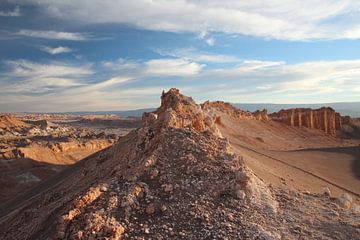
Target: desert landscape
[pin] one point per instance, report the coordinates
(34, 147)
(205, 171)
(179, 119)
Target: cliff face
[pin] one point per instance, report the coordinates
(325, 118)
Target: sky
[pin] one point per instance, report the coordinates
(102, 55)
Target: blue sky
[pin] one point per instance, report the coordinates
(115, 55)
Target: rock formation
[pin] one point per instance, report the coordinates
(111, 121)
(9, 122)
(325, 118)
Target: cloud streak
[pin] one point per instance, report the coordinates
(54, 35)
(56, 50)
(162, 67)
(193, 54)
(172, 67)
(26, 77)
(14, 13)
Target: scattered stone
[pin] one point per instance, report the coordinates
(240, 194)
(168, 188)
(345, 200)
(327, 191)
(154, 173)
(150, 209)
(103, 188)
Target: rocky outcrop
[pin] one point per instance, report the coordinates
(261, 115)
(235, 112)
(111, 121)
(43, 124)
(10, 122)
(325, 119)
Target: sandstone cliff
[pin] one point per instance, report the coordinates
(325, 118)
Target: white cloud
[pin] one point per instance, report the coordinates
(165, 67)
(194, 55)
(121, 64)
(31, 77)
(280, 19)
(172, 67)
(56, 50)
(14, 13)
(208, 39)
(54, 35)
(24, 68)
(117, 80)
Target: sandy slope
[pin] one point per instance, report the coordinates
(301, 158)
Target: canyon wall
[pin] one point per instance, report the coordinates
(325, 118)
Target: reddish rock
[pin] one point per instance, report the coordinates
(325, 118)
(234, 112)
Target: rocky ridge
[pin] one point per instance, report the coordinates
(235, 112)
(8, 123)
(176, 177)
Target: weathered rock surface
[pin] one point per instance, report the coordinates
(9, 122)
(325, 119)
(110, 121)
(233, 111)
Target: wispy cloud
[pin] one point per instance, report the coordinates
(172, 67)
(56, 50)
(282, 19)
(14, 13)
(30, 77)
(208, 39)
(55, 35)
(162, 67)
(122, 64)
(193, 54)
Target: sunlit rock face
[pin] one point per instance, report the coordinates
(325, 118)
